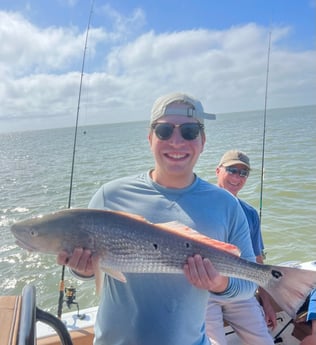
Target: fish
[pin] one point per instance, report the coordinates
(121, 243)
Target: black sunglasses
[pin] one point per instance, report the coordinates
(240, 172)
(189, 130)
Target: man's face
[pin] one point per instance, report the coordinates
(232, 182)
(176, 156)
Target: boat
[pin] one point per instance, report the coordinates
(22, 323)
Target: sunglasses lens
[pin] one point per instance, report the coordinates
(190, 131)
(231, 170)
(163, 130)
(243, 173)
(240, 172)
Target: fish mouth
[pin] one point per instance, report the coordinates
(24, 245)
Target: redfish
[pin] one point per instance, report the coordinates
(122, 242)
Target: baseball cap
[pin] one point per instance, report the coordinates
(179, 104)
(233, 157)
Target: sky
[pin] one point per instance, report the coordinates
(138, 50)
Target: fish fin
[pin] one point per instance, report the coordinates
(177, 225)
(289, 287)
(100, 269)
(98, 274)
(114, 274)
(131, 215)
(183, 230)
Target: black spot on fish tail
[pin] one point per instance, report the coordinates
(155, 245)
(276, 274)
(187, 245)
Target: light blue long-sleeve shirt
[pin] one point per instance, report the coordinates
(155, 309)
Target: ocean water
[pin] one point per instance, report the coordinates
(35, 169)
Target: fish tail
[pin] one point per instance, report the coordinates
(290, 286)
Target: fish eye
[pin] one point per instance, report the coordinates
(33, 233)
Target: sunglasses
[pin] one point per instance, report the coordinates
(189, 130)
(234, 171)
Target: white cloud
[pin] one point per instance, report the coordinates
(123, 27)
(226, 69)
(27, 49)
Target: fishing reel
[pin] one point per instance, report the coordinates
(70, 294)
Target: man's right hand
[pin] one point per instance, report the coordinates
(80, 261)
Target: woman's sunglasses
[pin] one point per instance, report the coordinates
(240, 172)
(189, 130)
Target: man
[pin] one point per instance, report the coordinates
(168, 309)
(245, 316)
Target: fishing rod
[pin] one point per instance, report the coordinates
(264, 127)
(62, 281)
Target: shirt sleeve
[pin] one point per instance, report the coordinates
(254, 227)
(97, 200)
(239, 289)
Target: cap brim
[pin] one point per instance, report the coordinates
(235, 162)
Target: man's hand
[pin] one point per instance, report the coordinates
(202, 274)
(80, 261)
(269, 312)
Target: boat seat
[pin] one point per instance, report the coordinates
(10, 309)
(18, 316)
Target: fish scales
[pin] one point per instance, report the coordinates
(135, 246)
(144, 248)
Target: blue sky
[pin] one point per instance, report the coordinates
(139, 50)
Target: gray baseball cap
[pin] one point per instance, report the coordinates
(179, 104)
